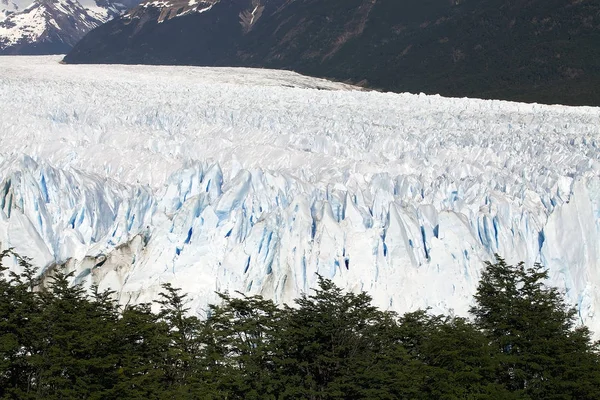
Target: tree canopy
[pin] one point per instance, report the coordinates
(523, 342)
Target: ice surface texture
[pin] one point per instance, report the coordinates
(254, 180)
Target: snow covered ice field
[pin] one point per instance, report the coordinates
(254, 180)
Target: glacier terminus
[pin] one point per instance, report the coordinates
(233, 179)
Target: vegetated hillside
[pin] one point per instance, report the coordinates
(527, 50)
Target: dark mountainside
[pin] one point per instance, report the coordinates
(546, 51)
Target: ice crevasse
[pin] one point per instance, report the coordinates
(236, 179)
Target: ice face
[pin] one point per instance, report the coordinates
(254, 180)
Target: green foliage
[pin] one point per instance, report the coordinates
(533, 333)
(341, 347)
(59, 342)
(243, 347)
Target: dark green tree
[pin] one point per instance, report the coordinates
(142, 346)
(339, 346)
(456, 357)
(19, 332)
(75, 351)
(183, 362)
(244, 351)
(59, 342)
(540, 352)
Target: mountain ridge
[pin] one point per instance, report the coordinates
(52, 26)
(544, 51)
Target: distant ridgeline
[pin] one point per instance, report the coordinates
(58, 343)
(52, 26)
(545, 51)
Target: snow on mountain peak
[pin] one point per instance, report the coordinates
(168, 9)
(253, 180)
(8, 7)
(54, 24)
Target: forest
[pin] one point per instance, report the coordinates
(520, 341)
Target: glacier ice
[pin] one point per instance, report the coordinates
(256, 180)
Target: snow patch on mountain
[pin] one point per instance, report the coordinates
(8, 7)
(28, 25)
(53, 21)
(254, 180)
(168, 9)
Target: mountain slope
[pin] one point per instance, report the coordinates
(532, 50)
(207, 33)
(225, 179)
(8, 7)
(52, 26)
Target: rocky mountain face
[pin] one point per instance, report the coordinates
(52, 26)
(207, 32)
(528, 50)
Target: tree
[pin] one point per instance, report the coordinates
(244, 352)
(455, 357)
(339, 346)
(74, 353)
(539, 350)
(19, 314)
(182, 359)
(142, 345)
(60, 342)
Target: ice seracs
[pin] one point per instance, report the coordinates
(257, 180)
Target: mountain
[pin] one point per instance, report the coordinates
(526, 50)
(52, 26)
(10, 6)
(255, 180)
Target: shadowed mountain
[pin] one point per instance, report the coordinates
(528, 50)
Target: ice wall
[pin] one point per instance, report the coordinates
(234, 179)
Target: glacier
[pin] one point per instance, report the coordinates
(233, 179)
